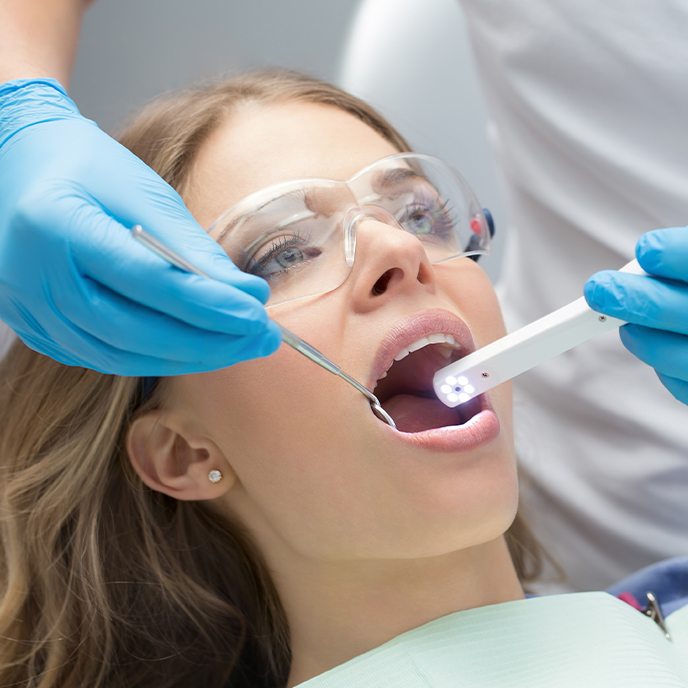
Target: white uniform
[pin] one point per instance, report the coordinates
(588, 104)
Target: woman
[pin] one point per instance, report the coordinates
(258, 525)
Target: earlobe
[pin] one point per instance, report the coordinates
(172, 459)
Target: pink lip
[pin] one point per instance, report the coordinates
(411, 329)
(479, 430)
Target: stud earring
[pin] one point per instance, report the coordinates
(215, 476)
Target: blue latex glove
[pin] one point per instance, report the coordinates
(76, 286)
(657, 306)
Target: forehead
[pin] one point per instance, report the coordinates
(260, 145)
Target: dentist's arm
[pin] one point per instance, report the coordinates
(38, 38)
(656, 306)
(74, 285)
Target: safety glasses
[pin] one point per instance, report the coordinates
(301, 235)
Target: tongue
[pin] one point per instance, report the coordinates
(415, 414)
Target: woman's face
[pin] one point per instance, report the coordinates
(315, 470)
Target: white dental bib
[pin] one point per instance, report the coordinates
(578, 640)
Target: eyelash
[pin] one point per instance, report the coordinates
(296, 238)
(448, 213)
(444, 213)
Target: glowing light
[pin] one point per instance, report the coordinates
(451, 380)
(463, 380)
(445, 389)
(463, 397)
(469, 389)
(452, 397)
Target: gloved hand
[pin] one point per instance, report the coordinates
(657, 306)
(75, 285)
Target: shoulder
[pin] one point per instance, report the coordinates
(667, 580)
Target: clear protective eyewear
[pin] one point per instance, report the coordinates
(300, 235)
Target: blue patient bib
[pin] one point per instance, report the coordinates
(577, 640)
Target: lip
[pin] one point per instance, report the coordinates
(411, 329)
(479, 430)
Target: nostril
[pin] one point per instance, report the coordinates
(424, 275)
(380, 287)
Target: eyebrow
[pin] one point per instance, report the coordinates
(395, 175)
(240, 218)
(389, 177)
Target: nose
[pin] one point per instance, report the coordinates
(389, 261)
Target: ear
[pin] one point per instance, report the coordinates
(171, 458)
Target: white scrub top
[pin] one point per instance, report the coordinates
(587, 105)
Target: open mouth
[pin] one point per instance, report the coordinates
(405, 390)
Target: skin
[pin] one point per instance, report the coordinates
(365, 536)
(38, 38)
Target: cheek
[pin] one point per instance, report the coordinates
(259, 411)
(475, 298)
(284, 425)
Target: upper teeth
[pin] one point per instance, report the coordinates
(424, 341)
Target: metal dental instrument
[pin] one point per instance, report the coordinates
(289, 337)
(523, 349)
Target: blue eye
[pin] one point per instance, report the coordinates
(289, 256)
(428, 219)
(419, 221)
(283, 254)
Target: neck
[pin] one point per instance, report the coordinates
(338, 610)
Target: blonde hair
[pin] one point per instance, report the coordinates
(105, 582)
